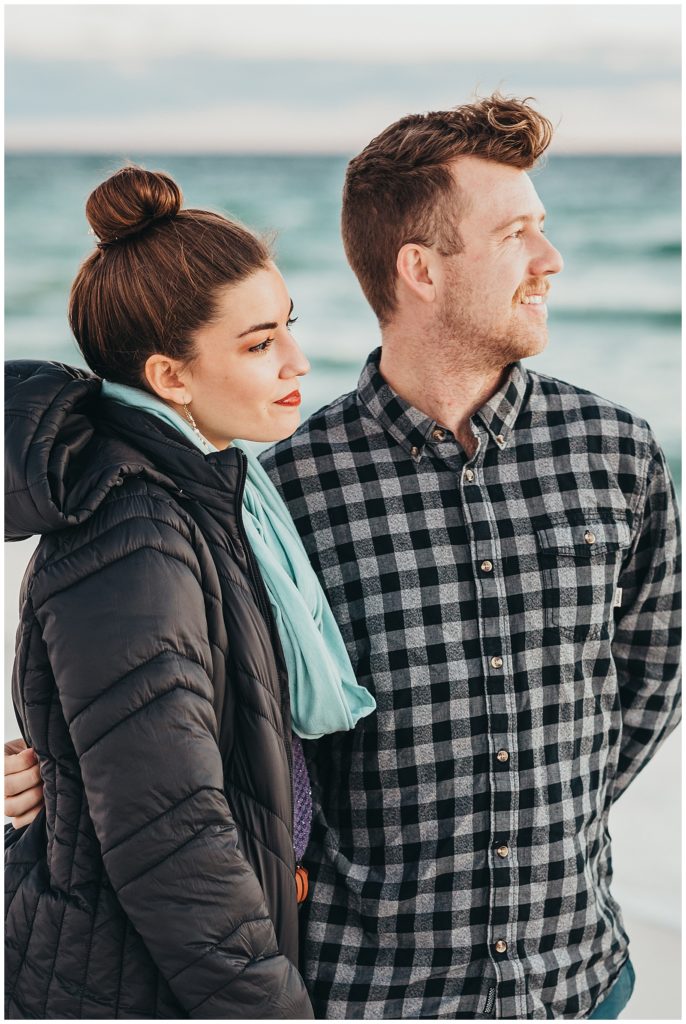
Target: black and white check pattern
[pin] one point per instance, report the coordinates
(460, 856)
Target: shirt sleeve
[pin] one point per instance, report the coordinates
(646, 644)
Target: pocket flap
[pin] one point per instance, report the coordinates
(585, 539)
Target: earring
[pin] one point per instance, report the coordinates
(194, 425)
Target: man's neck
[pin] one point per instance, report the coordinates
(444, 390)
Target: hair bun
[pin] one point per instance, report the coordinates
(129, 201)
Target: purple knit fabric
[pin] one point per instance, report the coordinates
(302, 800)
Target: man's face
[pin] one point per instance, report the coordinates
(492, 296)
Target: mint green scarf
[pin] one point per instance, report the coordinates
(325, 696)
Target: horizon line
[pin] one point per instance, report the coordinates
(302, 153)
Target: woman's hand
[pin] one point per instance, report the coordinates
(23, 785)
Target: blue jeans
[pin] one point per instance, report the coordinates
(618, 996)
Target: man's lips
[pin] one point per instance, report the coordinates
(539, 311)
(534, 294)
(534, 300)
(293, 399)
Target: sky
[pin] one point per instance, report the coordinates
(325, 78)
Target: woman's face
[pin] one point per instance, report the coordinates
(244, 377)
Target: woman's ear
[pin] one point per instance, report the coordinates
(167, 379)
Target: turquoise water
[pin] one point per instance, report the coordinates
(614, 311)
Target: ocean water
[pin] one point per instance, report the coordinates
(614, 311)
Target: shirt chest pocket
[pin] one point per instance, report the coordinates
(581, 555)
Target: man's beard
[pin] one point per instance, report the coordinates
(486, 346)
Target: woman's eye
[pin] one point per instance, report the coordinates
(291, 321)
(262, 347)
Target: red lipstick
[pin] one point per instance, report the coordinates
(293, 399)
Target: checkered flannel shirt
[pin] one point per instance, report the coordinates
(515, 616)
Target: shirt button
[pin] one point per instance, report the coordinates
(589, 537)
(487, 566)
(503, 851)
(438, 434)
(497, 662)
(503, 756)
(469, 475)
(414, 451)
(500, 439)
(501, 946)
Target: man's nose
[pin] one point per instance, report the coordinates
(547, 261)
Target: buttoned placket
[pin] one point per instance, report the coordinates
(502, 723)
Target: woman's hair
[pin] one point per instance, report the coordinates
(155, 275)
(400, 189)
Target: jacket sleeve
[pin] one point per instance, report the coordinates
(126, 635)
(646, 644)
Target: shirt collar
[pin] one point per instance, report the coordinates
(500, 412)
(413, 429)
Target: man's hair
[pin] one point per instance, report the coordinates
(400, 188)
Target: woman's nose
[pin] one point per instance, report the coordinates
(295, 363)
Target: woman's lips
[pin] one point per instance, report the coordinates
(293, 399)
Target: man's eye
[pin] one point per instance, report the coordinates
(517, 234)
(262, 347)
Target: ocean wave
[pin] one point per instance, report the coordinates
(618, 315)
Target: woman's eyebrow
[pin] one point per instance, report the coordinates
(270, 326)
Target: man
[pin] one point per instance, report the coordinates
(500, 551)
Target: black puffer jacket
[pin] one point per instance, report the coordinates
(159, 881)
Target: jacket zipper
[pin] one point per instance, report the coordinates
(265, 606)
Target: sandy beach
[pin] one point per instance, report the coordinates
(646, 832)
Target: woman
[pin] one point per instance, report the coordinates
(166, 601)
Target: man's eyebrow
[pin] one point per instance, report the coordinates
(271, 326)
(524, 217)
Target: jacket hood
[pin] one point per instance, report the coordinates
(66, 447)
(58, 468)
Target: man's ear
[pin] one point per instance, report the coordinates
(167, 378)
(416, 269)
